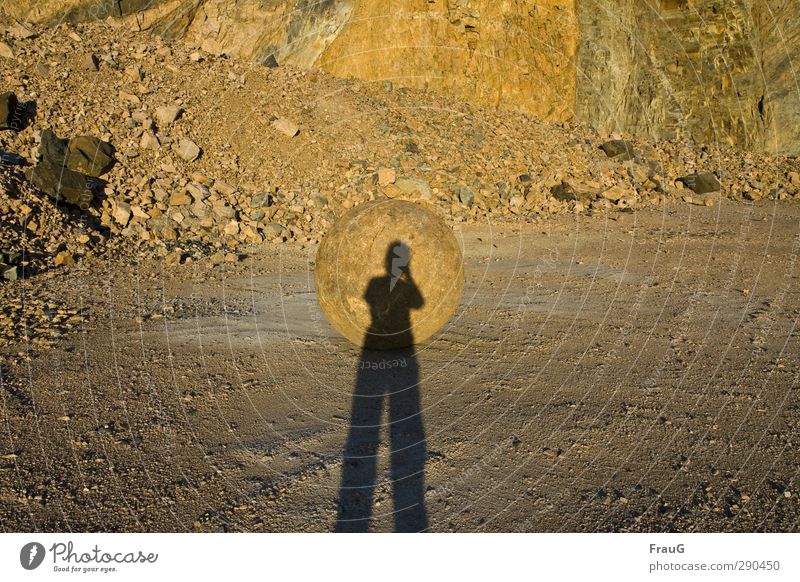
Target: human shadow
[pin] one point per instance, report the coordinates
(388, 370)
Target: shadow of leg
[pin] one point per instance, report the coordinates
(359, 464)
(408, 447)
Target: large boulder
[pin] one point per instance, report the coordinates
(618, 149)
(8, 110)
(389, 274)
(701, 183)
(52, 176)
(89, 155)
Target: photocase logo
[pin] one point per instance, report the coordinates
(402, 254)
(31, 555)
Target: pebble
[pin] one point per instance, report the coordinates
(89, 62)
(64, 259)
(224, 188)
(122, 213)
(465, 196)
(149, 141)
(187, 150)
(11, 272)
(386, 176)
(286, 127)
(166, 115)
(179, 198)
(416, 186)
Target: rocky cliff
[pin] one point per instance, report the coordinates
(706, 70)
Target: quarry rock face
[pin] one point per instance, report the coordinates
(389, 274)
(706, 70)
(515, 54)
(721, 71)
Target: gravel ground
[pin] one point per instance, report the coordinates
(628, 371)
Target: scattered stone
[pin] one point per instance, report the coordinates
(386, 176)
(62, 184)
(465, 195)
(699, 200)
(198, 191)
(6, 51)
(319, 200)
(149, 141)
(272, 230)
(179, 198)
(412, 147)
(8, 110)
(89, 155)
(619, 150)
(261, 200)
(64, 259)
(565, 192)
(232, 228)
(701, 183)
(286, 127)
(224, 188)
(9, 265)
(122, 213)
(134, 73)
(615, 193)
(90, 63)
(601, 204)
(168, 114)
(52, 177)
(417, 186)
(18, 30)
(187, 150)
(11, 272)
(129, 98)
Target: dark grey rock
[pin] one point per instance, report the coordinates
(270, 61)
(261, 200)
(89, 155)
(465, 195)
(8, 110)
(10, 257)
(618, 149)
(62, 183)
(563, 192)
(52, 176)
(701, 182)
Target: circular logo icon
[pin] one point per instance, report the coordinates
(31, 555)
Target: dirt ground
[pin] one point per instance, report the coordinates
(625, 372)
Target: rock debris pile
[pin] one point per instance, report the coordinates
(113, 138)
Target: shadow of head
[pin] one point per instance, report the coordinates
(391, 297)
